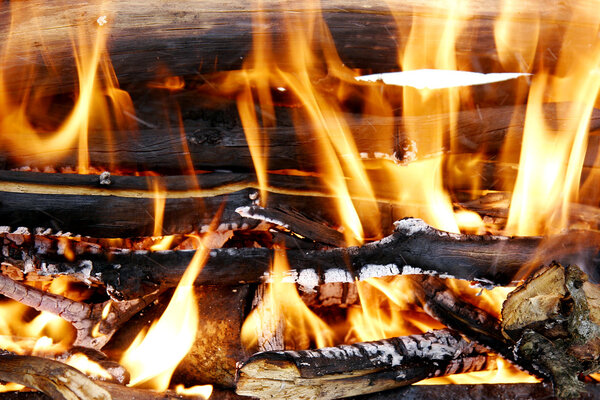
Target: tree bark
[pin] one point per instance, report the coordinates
(414, 248)
(349, 370)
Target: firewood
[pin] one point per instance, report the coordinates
(443, 304)
(413, 248)
(217, 148)
(57, 380)
(553, 320)
(203, 37)
(360, 368)
(93, 329)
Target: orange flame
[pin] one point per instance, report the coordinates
(153, 356)
(282, 305)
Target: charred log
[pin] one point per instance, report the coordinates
(349, 370)
(204, 37)
(212, 148)
(414, 248)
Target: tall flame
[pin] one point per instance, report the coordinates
(102, 103)
(153, 356)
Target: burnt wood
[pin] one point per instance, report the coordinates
(346, 370)
(149, 40)
(211, 148)
(414, 248)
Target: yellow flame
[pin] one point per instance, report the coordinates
(204, 391)
(87, 366)
(20, 135)
(282, 303)
(154, 355)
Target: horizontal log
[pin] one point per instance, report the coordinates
(481, 130)
(413, 248)
(184, 38)
(360, 368)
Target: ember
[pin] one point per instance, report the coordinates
(299, 200)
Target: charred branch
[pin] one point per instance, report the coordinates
(93, 329)
(57, 380)
(349, 370)
(414, 248)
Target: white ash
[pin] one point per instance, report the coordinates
(22, 231)
(61, 247)
(204, 228)
(308, 280)
(377, 271)
(222, 227)
(337, 275)
(381, 354)
(5, 251)
(245, 212)
(104, 178)
(4, 229)
(116, 266)
(253, 195)
(28, 266)
(140, 252)
(213, 253)
(384, 156)
(290, 276)
(364, 155)
(410, 226)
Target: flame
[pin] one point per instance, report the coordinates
(87, 366)
(551, 160)
(320, 115)
(98, 98)
(282, 306)
(386, 310)
(154, 355)
(204, 391)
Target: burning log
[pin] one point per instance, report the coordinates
(474, 323)
(204, 38)
(414, 248)
(95, 324)
(360, 368)
(213, 148)
(57, 380)
(554, 320)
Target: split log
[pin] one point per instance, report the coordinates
(360, 368)
(481, 131)
(413, 248)
(190, 38)
(441, 303)
(554, 319)
(217, 348)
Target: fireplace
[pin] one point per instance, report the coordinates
(299, 200)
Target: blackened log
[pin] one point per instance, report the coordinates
(441, 303)
(414, 248)
(348, 370)
(483, 130)
(148, 40)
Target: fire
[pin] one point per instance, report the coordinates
(282, 308)
(321, 116)
(154, 355)
(99, 102)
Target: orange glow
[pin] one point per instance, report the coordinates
(98, 98)
(282, 305)
(172, 83)
(386, 310)
(505, 372)
(204, 391)
(87, 366)
(552, 158)
(153, 356)
(160, 200)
